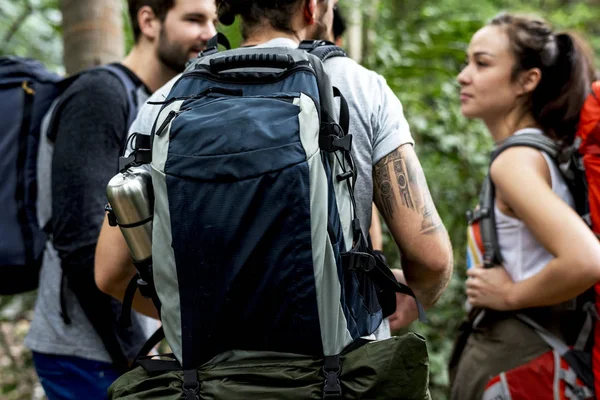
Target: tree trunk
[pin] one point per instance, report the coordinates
(369, 28)
(92, 33)
(355, 33)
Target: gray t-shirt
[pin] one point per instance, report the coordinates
(377, 124)
(91, 132)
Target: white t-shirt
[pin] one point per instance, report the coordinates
(377, 124)
(523, 255)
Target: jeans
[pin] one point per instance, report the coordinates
(73, 378)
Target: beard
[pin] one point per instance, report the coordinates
(172, 54)
(321, 31)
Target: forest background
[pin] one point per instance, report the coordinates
(417, 45)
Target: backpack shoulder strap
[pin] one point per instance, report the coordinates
(130, 89)
(128, 84)
(535, 140)
(323, 49)
(485, 213)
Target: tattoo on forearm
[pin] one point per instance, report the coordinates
(386, 192)
(431, 219)
(402, 178)
(411, 186)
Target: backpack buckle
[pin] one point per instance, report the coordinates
(331, 142)
(333, 386)
(192, 394)
(191, 386)
(332, 370)
(143, 156)
(358, 261)
(477, 214)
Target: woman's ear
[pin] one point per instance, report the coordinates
(529, 80)
(149, 24)
(310, 9)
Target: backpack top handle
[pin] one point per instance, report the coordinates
(256, 60)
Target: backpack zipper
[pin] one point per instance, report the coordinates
(172, 114)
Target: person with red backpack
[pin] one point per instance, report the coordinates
(531, 256)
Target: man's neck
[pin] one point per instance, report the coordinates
(266, 35)
(145, 64)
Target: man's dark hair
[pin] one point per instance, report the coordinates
(254, 12)
(159, 7)
(339, 25)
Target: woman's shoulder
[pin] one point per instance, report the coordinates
(520, 163)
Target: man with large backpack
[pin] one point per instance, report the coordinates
(78, 345)
(255, 229)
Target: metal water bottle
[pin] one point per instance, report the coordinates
(131, 198)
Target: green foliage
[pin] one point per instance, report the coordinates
(31, 28)
(232, 32)
(420, 48)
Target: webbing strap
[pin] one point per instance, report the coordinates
(534, 140)
(21, 189)
(344, 111)
(332, 370)
(155, 339)
(550, 339)
(125, 317)
(322, 49)
(64, 314)
(574, 390)
(191, 386)
(215, 41)
(130, 89)
(152, 364)
(486, 218)
(376, 269)
(588, 326)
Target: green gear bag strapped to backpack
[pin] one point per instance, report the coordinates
(395, 368)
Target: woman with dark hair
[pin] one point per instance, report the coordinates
(522, 77)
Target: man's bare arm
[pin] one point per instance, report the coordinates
(403, 198)
(113, 268)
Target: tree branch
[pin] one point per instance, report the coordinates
(18, 22)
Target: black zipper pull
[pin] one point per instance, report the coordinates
(172, 114)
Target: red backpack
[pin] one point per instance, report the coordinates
(565, 372)
(588, 139)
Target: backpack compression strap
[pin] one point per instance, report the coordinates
(485, 213)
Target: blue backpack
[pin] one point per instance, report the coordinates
(27, 91)
(28, 94)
